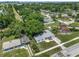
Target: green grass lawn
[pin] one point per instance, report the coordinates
(49, 53)
(0, 48)
(75, 24)
(65, 19)
(45, 45)
(16, 53)
(65, 38)
(71, 43)
(8, 38)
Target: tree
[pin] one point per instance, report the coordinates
(15, 28)
(33, 27)
(36, 16)
(4, 21)
(35, 48)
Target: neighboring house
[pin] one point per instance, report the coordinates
(64, 28)
(46, 35)
(1, 11)
(65, 15)
(45, 11)
(15, 43)
(18, 4)
(47, 19)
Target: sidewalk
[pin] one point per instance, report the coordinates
(56, 46)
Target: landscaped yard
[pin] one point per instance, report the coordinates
(66, 19)
(75, 24)
(45, 45)
(72, 43)
(67, 37)
(17, 53)
(49, 53)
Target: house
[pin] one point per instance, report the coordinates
(74, 13)
(15, 43)
(64, 15)
(1, 11)
(46, 35)
(64, 28)
(47, 19)
(45, 11)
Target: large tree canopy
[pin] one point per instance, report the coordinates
(15, 28)
(36, 16)
(33, 27)
(4, 21)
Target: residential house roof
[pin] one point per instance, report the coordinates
(43, 36)
(15, 43)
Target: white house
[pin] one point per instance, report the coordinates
(47, 19)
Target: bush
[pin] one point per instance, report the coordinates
(35, 48)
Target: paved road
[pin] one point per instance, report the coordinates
(68, 52)
(72, 51)
(56, 46)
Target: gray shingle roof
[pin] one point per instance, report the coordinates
(46, 34)
(15, 42)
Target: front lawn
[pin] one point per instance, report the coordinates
(72, 43)
(76, 24)
(0, 48)
(66, 19)
(17, 53)
(51, 52)
(45, 45)
(67, 37)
